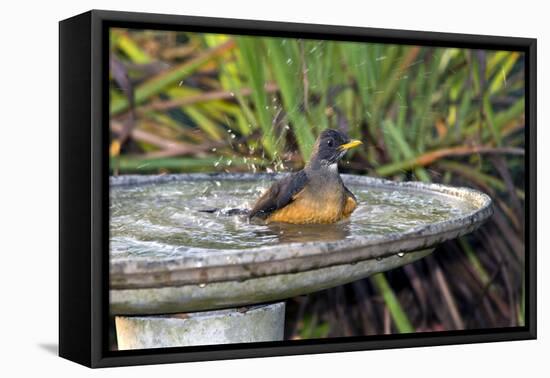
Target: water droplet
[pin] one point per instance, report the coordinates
(202, 285)
(289, 61)
(401, 254)
(214, 149)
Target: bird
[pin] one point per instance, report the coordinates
(314, 195)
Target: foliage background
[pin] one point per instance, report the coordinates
(204, 102)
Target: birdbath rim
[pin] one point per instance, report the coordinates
(201, 266)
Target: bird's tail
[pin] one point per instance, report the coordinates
(228, 212)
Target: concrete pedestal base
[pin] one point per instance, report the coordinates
(243, 325)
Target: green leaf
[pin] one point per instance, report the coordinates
(284, 60)
(173, 76)
(254, 71)
(397, 313)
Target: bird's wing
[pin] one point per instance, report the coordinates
(280, 194)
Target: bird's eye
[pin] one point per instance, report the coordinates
(330, 143)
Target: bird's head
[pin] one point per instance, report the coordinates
(331, 146)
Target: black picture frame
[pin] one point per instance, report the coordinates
(84, 188)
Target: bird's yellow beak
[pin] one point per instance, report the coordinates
(351, 144)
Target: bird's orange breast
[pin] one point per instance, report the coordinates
(309, 208)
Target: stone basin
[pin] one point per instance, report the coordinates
(168, 257)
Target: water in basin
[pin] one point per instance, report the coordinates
(159, 219)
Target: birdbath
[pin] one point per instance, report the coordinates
(179, 276)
